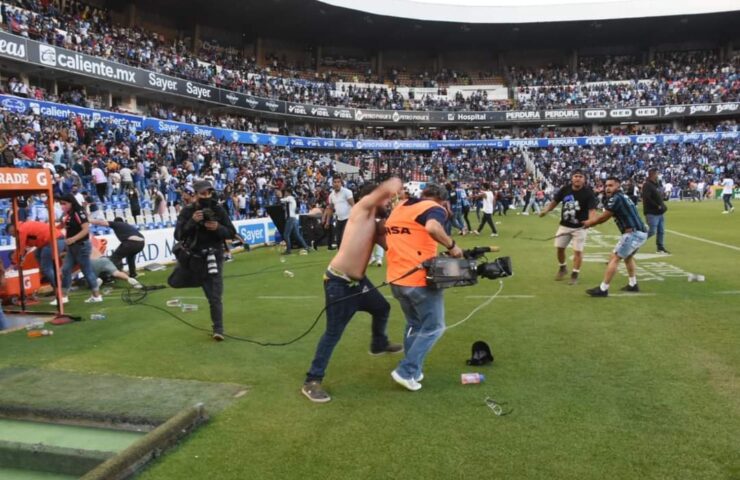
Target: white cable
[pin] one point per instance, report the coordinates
(468, 317)
(479, 307)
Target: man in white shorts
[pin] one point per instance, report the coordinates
(578, 205)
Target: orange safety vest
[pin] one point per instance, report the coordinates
(409, 243)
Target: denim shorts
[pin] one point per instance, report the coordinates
(629, 243)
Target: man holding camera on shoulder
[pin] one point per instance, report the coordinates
(413, 231)
(202, 227)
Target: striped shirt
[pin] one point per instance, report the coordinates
(625, 213)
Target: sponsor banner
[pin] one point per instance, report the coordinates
(73, 62)
(60, 111)
(159, 243)
(13, 46)
(319, 111)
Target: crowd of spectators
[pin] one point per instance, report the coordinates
(670, 78)
(105, 163)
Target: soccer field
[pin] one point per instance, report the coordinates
(630, 386)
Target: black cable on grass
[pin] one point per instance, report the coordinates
(132, 296)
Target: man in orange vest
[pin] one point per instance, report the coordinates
(413, 231)
(348, 290)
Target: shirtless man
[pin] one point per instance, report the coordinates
(344, 277)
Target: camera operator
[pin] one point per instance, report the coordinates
(202, 227)
(413, 230)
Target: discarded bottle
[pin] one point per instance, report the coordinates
(175, 302)
(472, 378)
(189, 307)
(40, 333)
(35, 326)
(98, 316)
(288, 274)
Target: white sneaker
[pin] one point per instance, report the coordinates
(100, 283)
(303, 252)
(725, 212)
(134, 283)
(94, 299)
(409, 384)
(494, 234)
(54, 303)
(378, 263)
(420, 377)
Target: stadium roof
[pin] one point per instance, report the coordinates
(532, 11)
(313, 22)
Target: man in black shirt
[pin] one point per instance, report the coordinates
(202, 227)
(579, 204)
(132, 243)
(653, 207)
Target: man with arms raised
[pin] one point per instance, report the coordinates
(345, 277)
(579, 204)
(634, 235)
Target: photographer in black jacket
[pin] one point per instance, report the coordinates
(653, 207)
(202, 227)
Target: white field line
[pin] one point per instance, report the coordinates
(729, 292)
(501, 296)
(699, 239)
(632, 294)
(287, 297)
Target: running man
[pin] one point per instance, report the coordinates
(728, 187)
(579, 204)
(345, 277)
(634, 235)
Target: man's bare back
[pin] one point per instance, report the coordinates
(361, 232)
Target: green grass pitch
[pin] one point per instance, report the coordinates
(641, 386)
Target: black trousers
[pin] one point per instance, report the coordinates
(128, 249)
(101, 189)
(727, 199)
(195, 274)
(339, 231)
(466, 212)
(487, 219)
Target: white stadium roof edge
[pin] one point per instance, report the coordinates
(533, 11)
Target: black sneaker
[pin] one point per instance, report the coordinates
(597, 292)
(390, 348)
(664, 251)
(315, 392)
(627, 288)
(562, 272)
(573, 278)
(219, 337)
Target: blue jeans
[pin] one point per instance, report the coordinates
(656, 224)
(291, 226)
(46, 260)
(79, 254)
(457, 219)
(340, 313)
(424, 310)
(3, 322)
(630, 243)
